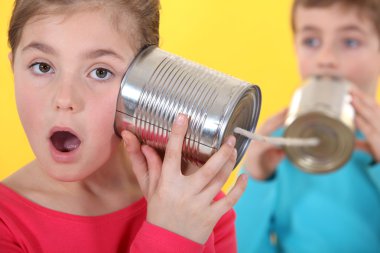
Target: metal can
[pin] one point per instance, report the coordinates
(322, 109)
(159, 85)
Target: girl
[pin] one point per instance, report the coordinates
(85, 192)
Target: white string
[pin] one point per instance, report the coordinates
(279, 141)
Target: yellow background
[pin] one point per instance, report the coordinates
(248, 39)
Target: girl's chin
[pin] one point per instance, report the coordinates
(67, 175)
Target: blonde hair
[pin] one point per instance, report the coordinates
(143, 13)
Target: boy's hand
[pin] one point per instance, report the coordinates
(184, 204)
(262, 158)
(367, 120)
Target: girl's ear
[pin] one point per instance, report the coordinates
(10, 57)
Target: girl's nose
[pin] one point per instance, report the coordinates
(67, 98)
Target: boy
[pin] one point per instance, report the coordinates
(287, 210)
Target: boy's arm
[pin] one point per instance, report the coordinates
(255, 208)
(254, 213)
(374, 175)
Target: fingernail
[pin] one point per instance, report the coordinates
(231, 141)
(180, 119)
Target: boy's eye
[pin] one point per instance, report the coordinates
(311, 42)
(351, 43)
(101, 74)
(41, 68)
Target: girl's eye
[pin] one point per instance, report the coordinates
(311, 42)
(41, 68)
(352, 43)
(101, 74)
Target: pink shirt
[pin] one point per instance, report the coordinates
(28, 227)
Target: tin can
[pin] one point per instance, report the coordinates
(159, 85)
(322, 109)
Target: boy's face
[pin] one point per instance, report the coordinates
(337, 41)
(67, 72)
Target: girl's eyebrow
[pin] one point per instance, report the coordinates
(91, 54)
(103, 52)
(41, 47)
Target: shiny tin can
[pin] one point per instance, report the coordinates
(322, 109)
(159, 85)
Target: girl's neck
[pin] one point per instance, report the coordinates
(109, 189)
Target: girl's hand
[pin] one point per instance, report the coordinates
(367, 120)
(262, 158)
(184, 204)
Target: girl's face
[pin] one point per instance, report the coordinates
(337, 41)
(67, 71)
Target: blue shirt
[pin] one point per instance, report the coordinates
(304, 213)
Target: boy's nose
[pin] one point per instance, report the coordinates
(327, 59)
(67, 98)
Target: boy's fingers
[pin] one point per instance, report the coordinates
(365, 99)
(137, 159)
(273, 123)
(369, 112)
(363, 107)
(172, 159)
(363, 145)
(215, 164)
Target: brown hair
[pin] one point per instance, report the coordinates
(144, 15)
(369, 9)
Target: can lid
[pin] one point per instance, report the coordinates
(245, 114)
(335, 148)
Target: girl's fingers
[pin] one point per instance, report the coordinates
(154, 167)
(214, 165)
(137, 159)
(173, 152)
(214, 187)
(221, 206)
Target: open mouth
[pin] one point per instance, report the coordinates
(65, 141)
